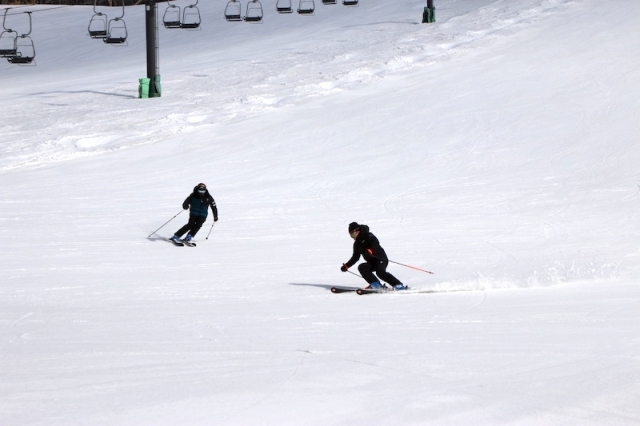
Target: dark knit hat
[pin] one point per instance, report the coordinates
(353, 226)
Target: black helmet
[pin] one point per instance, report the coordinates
(201, 188)
(353, 226)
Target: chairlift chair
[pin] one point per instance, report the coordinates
(350, 2)
(25, 50)
(98, 24)
(233, 11)
(191, 17)
(7, 38)
(116, 30)
(171, 16)
(284, 6)
(254, 11)
(306, 7)
(328, 1)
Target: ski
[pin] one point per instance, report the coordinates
(342, 289)
(385, 289)
(362, 291)
(175, 243)
(188, 243)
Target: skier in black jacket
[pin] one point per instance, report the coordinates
(367, 245)
(199, 202)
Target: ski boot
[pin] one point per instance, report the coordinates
(374, 286)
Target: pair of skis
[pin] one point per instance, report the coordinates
(360, 291)
(407, 291)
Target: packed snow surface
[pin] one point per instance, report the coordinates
(498, 147)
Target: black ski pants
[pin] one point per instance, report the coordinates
(192, 227)
(379, 266)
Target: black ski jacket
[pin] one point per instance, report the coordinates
(367, 245)
(199, 204)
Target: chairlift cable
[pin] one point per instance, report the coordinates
(37, 10)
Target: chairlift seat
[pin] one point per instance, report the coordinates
(115, 40)
(172, 24)
(171, 17)
(21, 60)
(98, 34)
(191, 17)
(350, 2)
(233, 11)
(254, 11)
(190, 26)
(284, 6)
(328, 1)
(98, 26)
(4, 53)
(306, 7)
(8, 44)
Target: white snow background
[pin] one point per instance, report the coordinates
(498, 147)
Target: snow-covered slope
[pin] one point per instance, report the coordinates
(497, 147)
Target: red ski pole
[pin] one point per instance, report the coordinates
(398, 263)
(412, 267)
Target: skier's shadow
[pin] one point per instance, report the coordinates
(155, 238)
(325, 286)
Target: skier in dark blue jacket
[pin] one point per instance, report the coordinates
(366, 244)
(198, 202)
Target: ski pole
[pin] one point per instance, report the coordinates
(360, 276)
(353, 273)
(398, 263)
(412, 267)
(165, 224)
(214, 222)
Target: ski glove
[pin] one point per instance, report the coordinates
(344, 268)
(185, 206)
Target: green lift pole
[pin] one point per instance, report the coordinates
(150, 86)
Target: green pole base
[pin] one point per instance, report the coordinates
(158, 87)
(143, 88)
(429, 15)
